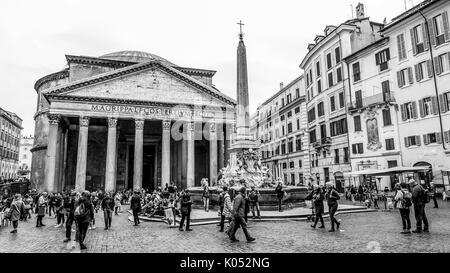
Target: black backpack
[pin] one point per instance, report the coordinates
(425, 196)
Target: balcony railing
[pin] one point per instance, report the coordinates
(323, 143)
(372, 100)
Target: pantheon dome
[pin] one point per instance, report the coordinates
(135, 56)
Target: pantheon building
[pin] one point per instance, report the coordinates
(129, 120)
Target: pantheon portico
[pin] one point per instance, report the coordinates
(129, 120)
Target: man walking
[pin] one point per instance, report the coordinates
(135, 205)
(84, 213)
(280, 194)
(221, 205)
(185, 202)
(332, 196)
(419, 198)
(107, 207)
(238, 216)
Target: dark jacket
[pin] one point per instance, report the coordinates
(135, 203)
(221, 200)
(253, 196)
(69, 205)
(417, 195)
(88, 215)
(332, 196)
(279, 191)
(317, 197)
(239, 206)
(108, 203)
(185, 202)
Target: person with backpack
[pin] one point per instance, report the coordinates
(84, 213)
(332, 196)
(108, 208)
(135, 205)
(419, 198)
(253, 197)
(404, 199)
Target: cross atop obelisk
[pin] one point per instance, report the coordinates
(240, 29)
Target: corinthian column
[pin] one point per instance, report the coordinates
(191, 155)
(50, 164)
(165, 168)
(212, 153)
(138, 154)
(110, 175)
(80, 182)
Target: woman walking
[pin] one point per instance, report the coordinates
(16, 211)
(317, 197)
(41, 205)
(332, 196)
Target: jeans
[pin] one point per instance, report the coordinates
(50, 209)
(60, 218)
(39, 220)
(206, 203)
(222, 219)
(254, 205)
(108, 217)
(419, 213)
(136, 217)
(404, 213)
(82, 230)
(69, 223)
(186, 216)
(318, 217)
(15, 224)
(239, 222)
(435, 201)
(332, 210)
(279, 203)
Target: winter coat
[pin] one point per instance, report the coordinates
(227, 207)
(16, 210)
(108, 203)
(41, 205)
(186, 203)
(239, 206)
(332, 196)
(417, 193)
(88, 214)
(135, 203)
(279, 191)
(399, 197)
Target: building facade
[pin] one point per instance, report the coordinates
(26, 144)
(419, 42)
(326, 79)
(10, 129)
(281, 127)
(372, 112)
(129, 119)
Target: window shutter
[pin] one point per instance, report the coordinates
(437, 66)
(402, 40)
(446, 26)
(439, 138)
(354, 148)
(431, 30)
(416, 70)
(447, 136)
(426, 44)
(430, 68)
(421, 112)
(410, 75)
(407, 142)
(388, 54)
(413, 41)
(426, 140)
(434, 105)
(418, 143)
(377, 58)
(442, 103)
(403, 110)
(399, 79)
(414, 108)
(399, 47)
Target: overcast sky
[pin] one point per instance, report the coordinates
(36, 35)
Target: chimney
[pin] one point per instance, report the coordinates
(281, 85)
(360, 11)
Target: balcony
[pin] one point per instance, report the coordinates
(381, 98)
(322, 144)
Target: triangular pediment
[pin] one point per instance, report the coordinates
(150, 82)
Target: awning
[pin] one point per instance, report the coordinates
(361, 172)
(387, 172)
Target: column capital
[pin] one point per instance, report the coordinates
(166, 125)
(112, 122)
(84, 121)
(212, 127)
(53, 119)
(139, 123)
(190, 126)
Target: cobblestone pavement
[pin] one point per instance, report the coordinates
(361, 232)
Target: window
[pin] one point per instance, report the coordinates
(401, 47)
(432, 138)
(311, 115)
(317, 69)
(338, 127)
(326, 172)
(382, 58)
(341, 100)
(283, 148)
(282, 130)
(298, 124)
(282, 117)
(356, 72)
(297, 93)
(339, 74)
(291, 145)
(289, 114)
(390, 144)
(330, 79)
(420, 71)
(409, 110)
(282, 102)
(299, 163)
(439, 29)
(445, 102)
(289, 127)
(412, 141)
(319, 86)
(298, 144)
(417, 38)
(442, 63)
(387, 117)
(297, 110)
(346, 155)
(358, 99)
(329, 62)
(336, 156)
(284, 165)
(289, 98)
(404, 76)
(357, 123)
(312, 136)
(320, 109)
(426, 107)
(332, 104)
(337, 53)
(357, 148)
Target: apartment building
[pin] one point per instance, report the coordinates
(10, 128)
